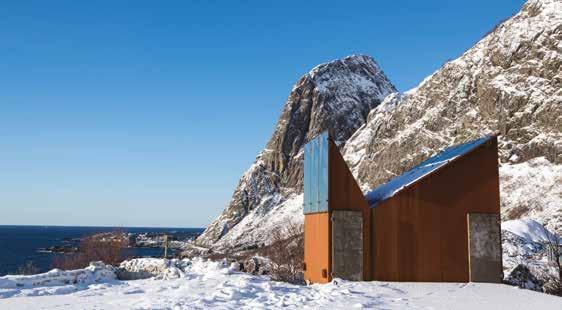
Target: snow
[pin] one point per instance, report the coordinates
(523, 244)
(530, 230)
(339, 84)
(532, 189)
(142, 268)
(56, 281)
(205, 284)
(256, 227)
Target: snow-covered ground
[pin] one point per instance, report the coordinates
(203, 284)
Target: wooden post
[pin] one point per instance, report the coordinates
(165, 246)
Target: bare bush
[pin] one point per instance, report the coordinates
(554, 250)
(28, 269)
(107, 248)
(286, 253)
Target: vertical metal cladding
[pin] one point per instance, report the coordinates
(329, 187)
(317, 247)
(420, 233)
(317, 218)
(316, 175)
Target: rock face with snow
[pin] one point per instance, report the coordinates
(526, 262)
(508, 83)
(337, 96)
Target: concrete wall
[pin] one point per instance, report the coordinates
(485, 252)
(347, 245)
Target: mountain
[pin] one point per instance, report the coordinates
(509, 83)
(335, 96)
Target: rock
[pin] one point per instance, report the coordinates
(143, 268)
(509, 83)
(255, 265)
(338, 96)
(521, 276)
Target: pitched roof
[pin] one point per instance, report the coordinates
(395, 185)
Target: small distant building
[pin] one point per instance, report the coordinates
(437, 222)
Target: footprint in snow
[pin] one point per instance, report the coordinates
(137, 291)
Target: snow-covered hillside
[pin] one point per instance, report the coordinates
(532, 189)
(335, 96)
(202, 285)
(508, 83)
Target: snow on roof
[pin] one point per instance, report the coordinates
(395, 185)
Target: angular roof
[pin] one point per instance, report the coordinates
(395, 185)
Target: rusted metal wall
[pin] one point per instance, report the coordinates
(420, 234)
(345, 194)
(317, 247)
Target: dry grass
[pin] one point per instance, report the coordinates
(107, 248)
(286, 253)
(552, 244)
(28, 269)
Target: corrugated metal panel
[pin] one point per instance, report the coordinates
(307, 203)
(323, 173)
(316, 175)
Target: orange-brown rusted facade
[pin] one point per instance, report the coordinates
(317, 247)
(344, 194)
(420, 233)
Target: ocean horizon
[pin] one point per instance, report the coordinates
(20, 244)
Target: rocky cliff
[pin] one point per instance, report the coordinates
(509, 83)
(335, 96)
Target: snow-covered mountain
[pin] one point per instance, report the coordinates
(337, 96)
(510, 82)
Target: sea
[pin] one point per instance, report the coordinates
(22, 244)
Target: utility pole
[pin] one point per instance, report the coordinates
(165, 246)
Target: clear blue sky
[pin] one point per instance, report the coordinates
(146, 113)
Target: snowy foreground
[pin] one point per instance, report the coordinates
(199, 284)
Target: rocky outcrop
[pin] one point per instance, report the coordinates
(508, 83)
(337, 96)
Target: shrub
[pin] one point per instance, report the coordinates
(107, 248)
(28, 269)
(286, 253)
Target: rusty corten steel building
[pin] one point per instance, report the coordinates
(438, 221)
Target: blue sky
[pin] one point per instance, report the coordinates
(145, 113)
